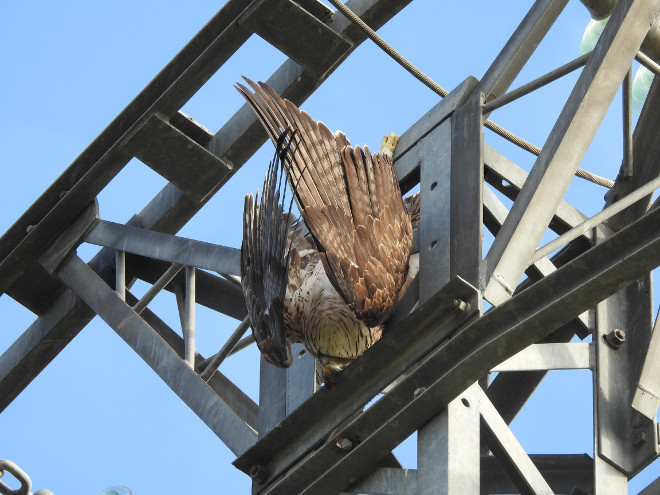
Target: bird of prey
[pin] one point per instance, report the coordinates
(335, 289)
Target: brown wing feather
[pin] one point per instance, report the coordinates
(350, 200)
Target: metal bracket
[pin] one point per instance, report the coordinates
(316, 46)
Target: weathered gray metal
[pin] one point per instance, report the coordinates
(62, 314)
(219, 415)
(565, 147)
(305, 440)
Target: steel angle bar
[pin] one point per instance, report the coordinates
(646, 148)
(628, 165)
(144, 340)
(647, 391)
(243, 405)
(153, 291)
(120, 274)
(652, 489)
(448, 368)
(508, 178)
(566, 145)
(103, 158)
(597, 219)
(554, 356)
(387, 481)
(188, 317)
(509, 452)
(315, 45)
(563, 472)
(40, 343)
(494, 215)
(537, 83)
(405, 342)
(648, 63)
(213, 363)
(517, 51)
(156, 245)
(63, 313)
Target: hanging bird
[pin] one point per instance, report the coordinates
(335, 291)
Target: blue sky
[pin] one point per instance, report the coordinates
(98, 416)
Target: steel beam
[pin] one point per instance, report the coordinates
(515, 54)
(626, 438)
(448, 449)
(556, 356)
(401, 347)
(213, 410)
(64, 315)
(508, 178)
(451, 176)
(387, 481)
(81, 182)
(566, 145)
(646, 148)
(164, 247)
(243, 405)
(176, 157)
(315, 465)
(276, 20)
(652, 489)
(494, 215)
(647, 390)
(563, 472)
(407, 164)
(508, 450)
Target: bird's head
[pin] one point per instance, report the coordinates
(332, 366)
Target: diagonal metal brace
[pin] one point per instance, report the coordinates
(145, 341)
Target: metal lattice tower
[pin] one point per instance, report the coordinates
(433, 364)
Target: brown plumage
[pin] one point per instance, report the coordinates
(351, 203)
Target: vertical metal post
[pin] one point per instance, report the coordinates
(120, 274)
(451, 176)
(189, 317)
(625, 440)
(281, 390)
(627, 125)
(448, 449)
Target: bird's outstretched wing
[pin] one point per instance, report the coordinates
(265, 255)
(349, 199)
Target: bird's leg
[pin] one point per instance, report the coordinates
(388, 145)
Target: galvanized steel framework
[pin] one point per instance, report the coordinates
(439, 346)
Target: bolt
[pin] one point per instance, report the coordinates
(461, 307)
(615, 338)
(258, 473)
(640, 439)
(29, 228)
(344, 443)
(418, 391)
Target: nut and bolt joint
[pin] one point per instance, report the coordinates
(460, 306)
(344, 443)
(615, 338)
(258, 473)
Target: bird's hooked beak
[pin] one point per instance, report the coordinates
(332, 365)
